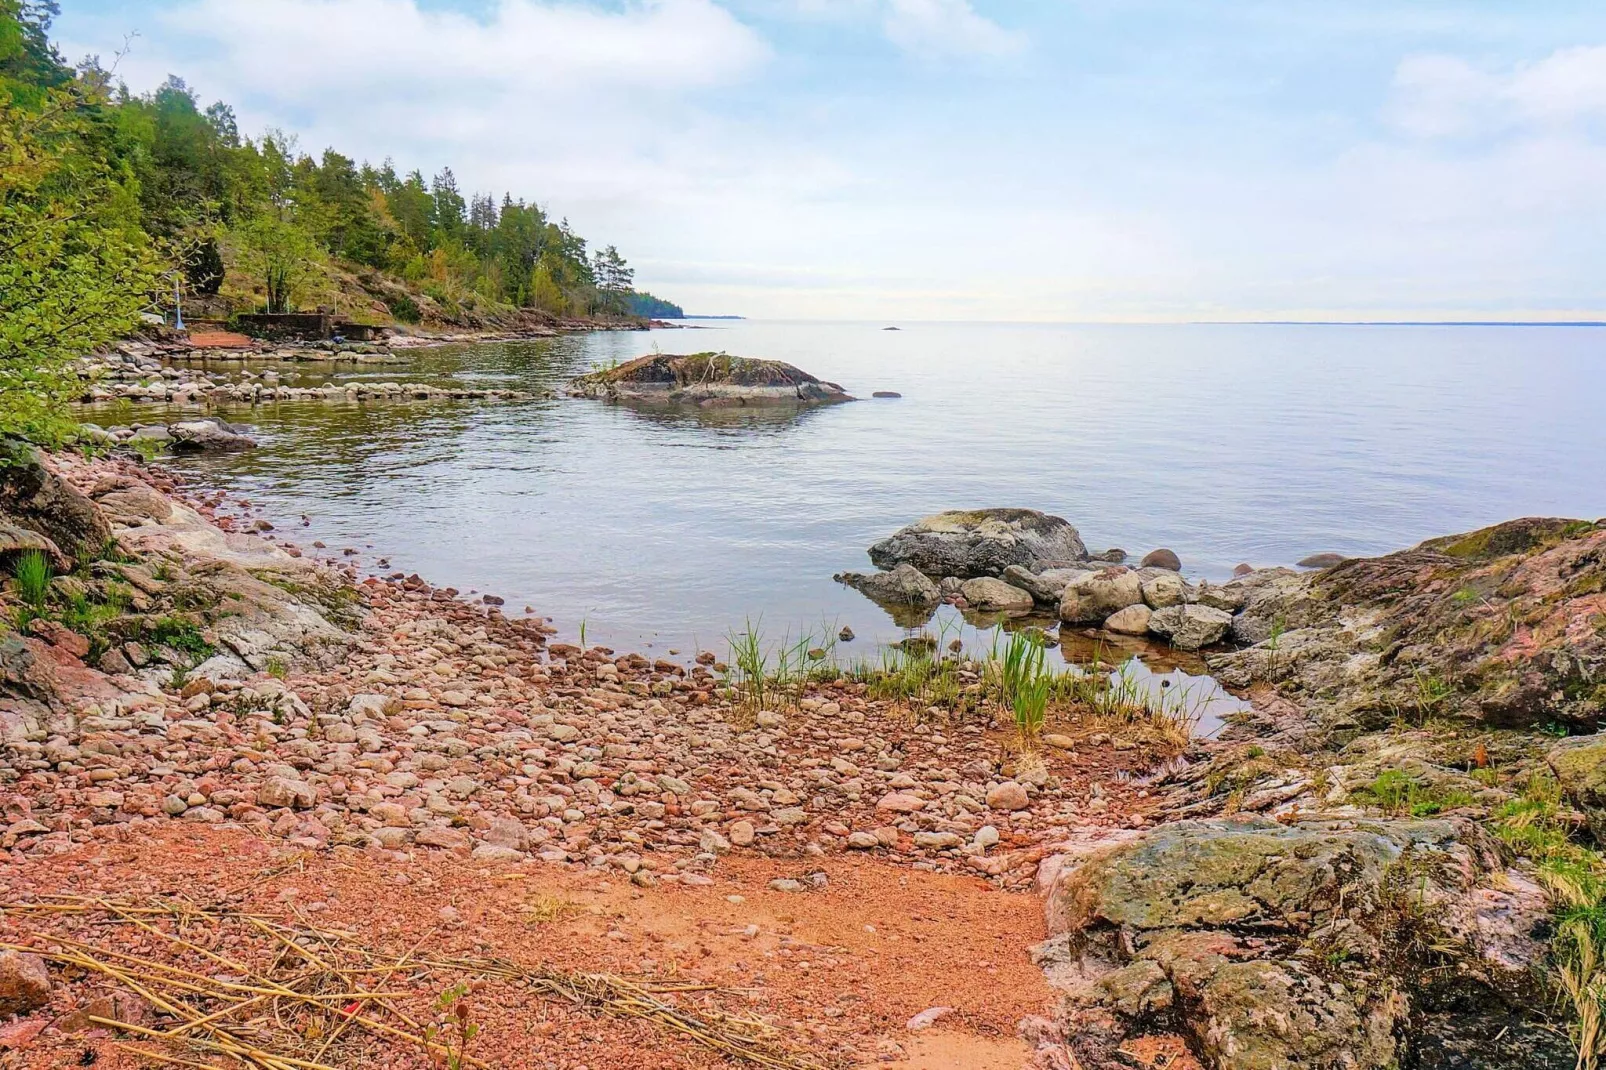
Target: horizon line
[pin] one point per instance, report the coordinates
(1178, 323)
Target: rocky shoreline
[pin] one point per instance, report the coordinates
(1332, 884)
(444, 723)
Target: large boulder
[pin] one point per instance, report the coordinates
(1092, 597)
(34, 497)
(1321, 945)
(982, 542)
(1163, 587)
(707, 379)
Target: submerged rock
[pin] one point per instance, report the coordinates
(904, 585)
(982, 542)
(208, 435)
(707, 379)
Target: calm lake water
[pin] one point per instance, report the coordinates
(1226, 443)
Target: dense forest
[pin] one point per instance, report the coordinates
(113, 202)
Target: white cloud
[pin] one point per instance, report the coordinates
(941, 28)
(1446, 96)
(298, 51)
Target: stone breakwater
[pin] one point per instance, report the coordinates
(382, 714)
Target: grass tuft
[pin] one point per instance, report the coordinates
(33, 574)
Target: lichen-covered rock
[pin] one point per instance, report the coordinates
(1502, 626)
(982, 542)
(707, 379)
(1580, 768)
(1095, 596)
(1272, 601)
(1300, 947)
(1190, 627)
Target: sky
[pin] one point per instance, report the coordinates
(1026, 160)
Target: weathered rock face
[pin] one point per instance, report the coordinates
(1580, 768)
(1503, 626)
(1097, 595)
(707, 379)
(1190, 627)
(1288, 946)
(982, 542)
(34, 498)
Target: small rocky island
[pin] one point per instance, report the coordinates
(1014, 561)
(707, 380)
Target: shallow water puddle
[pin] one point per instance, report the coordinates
(1161, 679)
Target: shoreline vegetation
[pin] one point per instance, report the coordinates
(116, 208)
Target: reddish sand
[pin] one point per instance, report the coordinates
(840, 969)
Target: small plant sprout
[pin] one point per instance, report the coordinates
(453, 1030)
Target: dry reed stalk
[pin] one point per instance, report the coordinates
(322, 986)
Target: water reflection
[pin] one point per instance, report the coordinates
(751, 419)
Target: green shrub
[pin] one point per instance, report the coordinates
(404, 308)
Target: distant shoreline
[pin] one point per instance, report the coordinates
(1403, 323)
